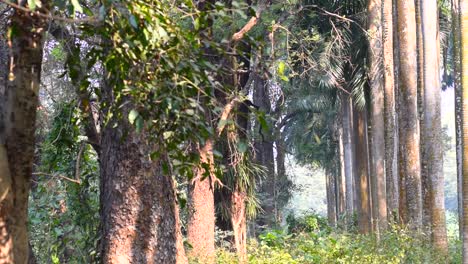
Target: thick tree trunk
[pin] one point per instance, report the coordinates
(362, 171)
(379, 196)
(409, 158)
(432, 141)
(139, 210)
(18, 105)
(201, 215)
(346, 110)
(391, 173)
(464, 82)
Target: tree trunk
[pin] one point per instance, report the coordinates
(362, 171)
(379, 196)
(341, 179)
(18, 107)
(348, 152)
(426, 222)
(464, 83)
(389, 102)
(239, 223)
(139, 210)
(331, 198)
(264, 155)
(201, 215)
(432, 142)
(458, 108)
(409, 158)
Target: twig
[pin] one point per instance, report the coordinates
(57, 175)
(78, 161)
(247, 27)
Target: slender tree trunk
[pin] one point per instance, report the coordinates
(432, 142)
(239, 223)
(346, 110)
(139, 210)
(389, 102)
(410, 168)
(201, 215)
(458, 108)
(379, 196)
(362, 171)
(341, 179)
(426, 218)
(18, 103)
(264, 155)
(464, 83)
(331, 198)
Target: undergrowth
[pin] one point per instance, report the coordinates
(309, 239)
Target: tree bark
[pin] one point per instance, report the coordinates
(426, 200)
(139, 210)
(432, 141)
(201, 215)
(409, 158)
(346, 110)
(389, 102)
(458, 108)
(362, 171)
(379, 196)
(331, 198)
(341, 178)
(264, 155)
(18, 104)
(239, 223)
(464, 82)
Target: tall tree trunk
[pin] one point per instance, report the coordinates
(464, 82)
(426, 201)
(201, 215)
(264, 155)
(341, 178)
(362, 171)
(458, 108)
(432, 141)
(409, 158)
(389, 102)
(379, 195)
(331, 198)
(139, 210)
(346, 115)
(18, 105)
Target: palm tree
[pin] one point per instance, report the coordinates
(409, 158)
(432, 140)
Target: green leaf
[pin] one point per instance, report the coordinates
(281, 68)
(76, 6)
(242, 146)
(33, 3)
(132, 116)
(139, 122)
(133, 21)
